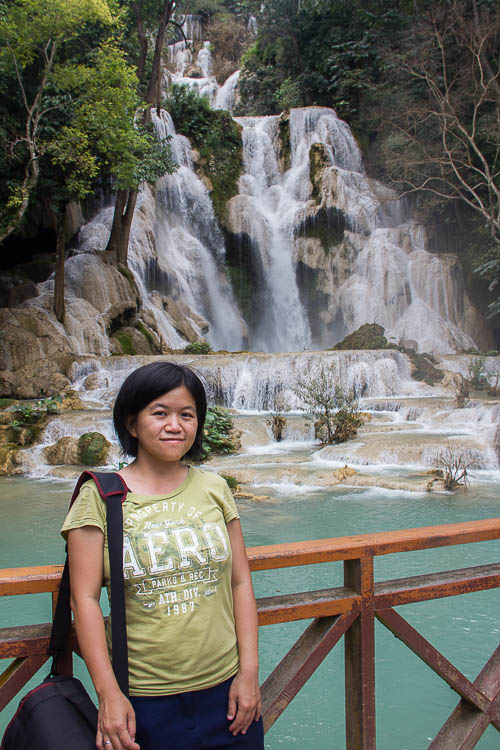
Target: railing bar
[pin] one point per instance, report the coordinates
(17, 674)
(381, 543)
(436, 585)
(433, 658)
(296, 667)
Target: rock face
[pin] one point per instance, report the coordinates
(65, 452)
(90, 449)
(102, 298)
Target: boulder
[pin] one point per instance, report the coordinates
(193, 71)
(93, 449)
(65, 452)
(344, 473)
(9, 464)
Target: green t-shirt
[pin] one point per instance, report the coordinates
(177, 574)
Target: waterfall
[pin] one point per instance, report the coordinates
(265, 211)
(190, 248)
(265, 382)
(226, 95)
(335, 249)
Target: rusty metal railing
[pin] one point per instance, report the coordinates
(349, 610)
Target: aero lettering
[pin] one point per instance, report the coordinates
(194, 547)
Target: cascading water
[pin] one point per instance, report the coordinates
(265, 212)
(335, 249)
(189, 245)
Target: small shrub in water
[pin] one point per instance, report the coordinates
(198, 347)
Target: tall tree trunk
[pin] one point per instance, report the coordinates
(59, 274)
(122, 221)
(154, 87)
(126, 199)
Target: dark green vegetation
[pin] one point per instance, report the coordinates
(23, 422)
(217, 436)
(232, 482)
(198, 347)
(215, 135)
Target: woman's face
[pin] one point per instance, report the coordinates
(166, 428)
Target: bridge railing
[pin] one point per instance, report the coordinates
(347, 611)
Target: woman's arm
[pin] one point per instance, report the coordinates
(116, 716)
(244, 696)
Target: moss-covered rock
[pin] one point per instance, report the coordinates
(216, 137)
(318, 160)
(93, 449)
(246, 272)
(327, 224)
(24, 435)
(368, 336)
(124, 339)
(423, 367)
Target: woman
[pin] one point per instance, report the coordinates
(191, 614)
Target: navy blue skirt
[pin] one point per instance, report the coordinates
(192, 721)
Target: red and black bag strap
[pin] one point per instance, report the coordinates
(113, 491)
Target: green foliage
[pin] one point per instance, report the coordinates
(6, 402)
(476, 372)
(28, 413)
(126, 342)
(106, 133)
(289, 95)
(215, 135)
(336, 409)
(325, 53)
(232, 482)
(35, 37)
(217, 432)
(72, 111)
(198, 347)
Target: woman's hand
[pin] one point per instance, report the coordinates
(116, 723)
(244, 705)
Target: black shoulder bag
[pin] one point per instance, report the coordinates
(59, 714)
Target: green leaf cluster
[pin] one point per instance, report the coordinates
(198, 347)
(70, 111)
(215, 135)
(217, 431)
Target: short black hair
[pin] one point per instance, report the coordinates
(147, 383)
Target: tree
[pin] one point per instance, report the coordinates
(445, 139)
(336, 409)
(101, 136)
(151, 20)
(32, 35)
